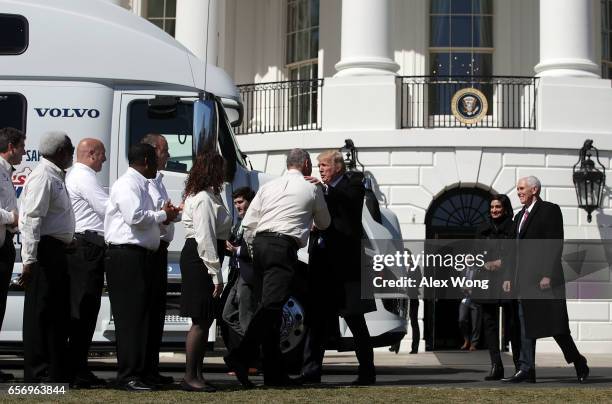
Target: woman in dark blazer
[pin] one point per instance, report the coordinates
(497, 228)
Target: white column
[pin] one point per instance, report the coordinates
(196, 30)
(566, 45)
(366, 39)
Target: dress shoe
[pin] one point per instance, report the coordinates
(582, 370)
(241, 371)
(522, 376)
(283, 381)
(159, 380)
(207, 388)
(465, 346)
(414, 351)
(137, 385)
(497, 372)
(308, 379)
(6, 377)
(364, 380)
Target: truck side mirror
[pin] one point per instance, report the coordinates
(205, 126)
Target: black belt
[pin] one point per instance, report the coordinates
(132, 247)
(91, 237)
(282, 236)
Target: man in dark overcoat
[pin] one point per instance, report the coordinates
(538, 282)
(335, 272)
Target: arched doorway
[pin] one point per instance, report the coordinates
(455, 214)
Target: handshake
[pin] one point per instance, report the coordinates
(172, 211)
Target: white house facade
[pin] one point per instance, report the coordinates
(384, 73)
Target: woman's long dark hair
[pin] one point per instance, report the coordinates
(207, 172)
(506, 204)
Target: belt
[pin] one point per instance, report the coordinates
(282, 236)
(132, 247)
(92, 237)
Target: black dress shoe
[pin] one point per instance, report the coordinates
(87, 381)
(6, 377)
(307, 379)
(522, 376)
(207, 388)
(414, 351)
(582, 370)
(497, 372)
(137, 385)
(364, 380)
(159, 380)
(241, 371)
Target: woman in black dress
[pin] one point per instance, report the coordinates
(207, 223)
(499, 227)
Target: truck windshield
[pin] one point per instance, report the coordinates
(176, 127)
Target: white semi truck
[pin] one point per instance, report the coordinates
(94, 69)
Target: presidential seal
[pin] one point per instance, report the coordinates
(469, 106)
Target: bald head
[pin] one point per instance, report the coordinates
(91, 152)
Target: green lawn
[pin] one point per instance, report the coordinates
(337, 395)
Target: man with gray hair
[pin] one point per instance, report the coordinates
(47, 228)
(538, 282)
(278, 223)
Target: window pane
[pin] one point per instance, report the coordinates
(461, 64)
(171, 8)
(178, 129)
(314, 43)
(291, 17)
(303, 17)
(159, 22)
(439, 64)
(461, 6)
(461, 29)
(440, 31)
(609, 72)
(314, 13)
(482, 64)
(13, 34)
(609, 14)
(291, 48)
(13, 111)
(440, 6)
(302, 45)
(605, 51)
(170, 26)
(483, 32)
(155, 8)
(482, 7)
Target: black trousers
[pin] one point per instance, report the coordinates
(314, 346)
(413, 315)
(46, 315)
(7, 261)
(490, 318)
(274, 261)
(86, 277)
(129, 276)
(159, 285)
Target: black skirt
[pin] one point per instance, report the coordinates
(196, 285)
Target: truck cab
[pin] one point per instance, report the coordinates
(94, 69)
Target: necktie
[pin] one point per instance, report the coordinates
(525, 216)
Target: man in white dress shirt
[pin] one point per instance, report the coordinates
(46, 222)
(86, 262)
(132, 233)
(12, 149)
(278, 222)
(160, 197)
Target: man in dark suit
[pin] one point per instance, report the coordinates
(242, 298)
(335, 272)
(538, 281)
